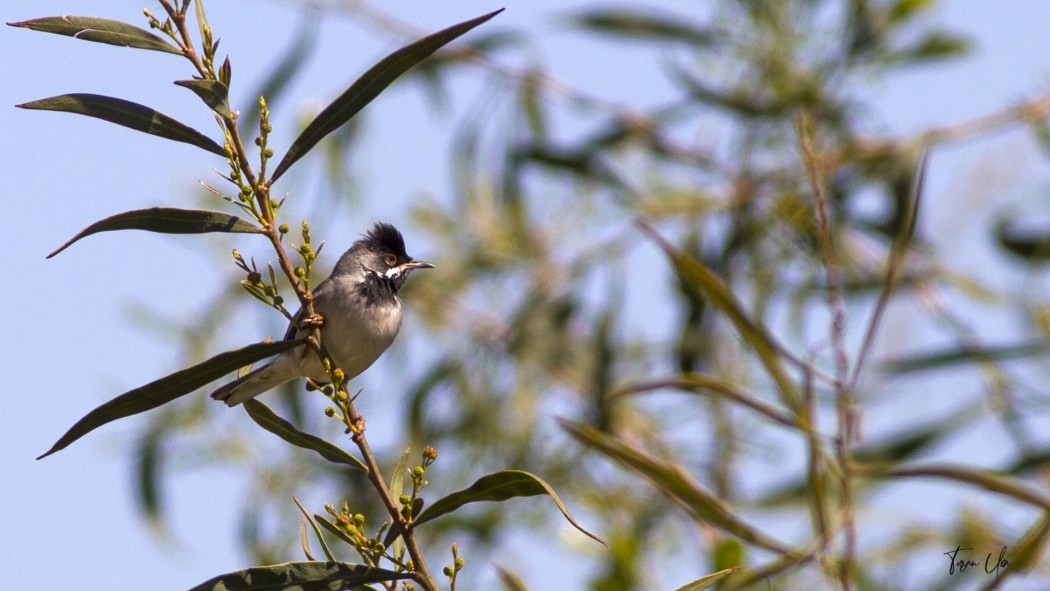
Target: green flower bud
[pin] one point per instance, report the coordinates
(417, 472)
(448, 571)
(283, 228)
(405, 500)
(329, 411)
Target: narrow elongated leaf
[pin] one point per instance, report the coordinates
(167, 220)
(102, 30)
(889, 450)
(128, 114)
(368, 87)
(946, 359)
(332, 527)
(699, 276)
(986, 479)
(1030, 246)
(317, 532)
(935, 45)
(170, 387)
(300, 576)
(1030, 547)
(397, 488)
(202, 20)
(896, 262)
(669, 479)
(511, 581)
(215, 94)
(267, 419)
(705, 582)
(499, 486)
(698, 382)
(150, 456)
(643, 24)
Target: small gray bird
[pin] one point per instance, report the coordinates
(360, 309)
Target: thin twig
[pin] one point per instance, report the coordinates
(844, 402)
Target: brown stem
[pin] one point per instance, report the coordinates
(844, 401)
(261, 190)
(375, 476)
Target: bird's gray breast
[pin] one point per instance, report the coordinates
(355, 331)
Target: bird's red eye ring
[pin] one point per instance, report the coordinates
(391, 259)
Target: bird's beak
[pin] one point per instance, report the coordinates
(416, 265)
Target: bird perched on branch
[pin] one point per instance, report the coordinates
(360, 313)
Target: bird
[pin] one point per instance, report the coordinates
(360, 313)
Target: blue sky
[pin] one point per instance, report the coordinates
(71, 519)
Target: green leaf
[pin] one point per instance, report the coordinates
(267, 419)
(167, 220)
(702, 505)
(645, 25)
(1030, 547)
(317, 532)
(128, 114)
(702, 278)
(168, 388)
(1029, 246)
(903, 10)
(948, 358)
(202, 21)
(899, 249)
(397, 488)
(332, 527)
(149, 464)
(511, 581)
(704, 383)
(215, 94)
(368, 87)
(300, 576)
(499, 486)
(397, 477)
(707, 581)
(102, 30)
(989, 480)
(937, 45)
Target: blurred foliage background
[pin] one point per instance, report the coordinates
(550, 300)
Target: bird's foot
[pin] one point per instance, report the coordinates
(311, 321)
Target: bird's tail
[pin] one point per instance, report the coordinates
(250, 385)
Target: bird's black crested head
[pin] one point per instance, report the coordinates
(379, 262)
(385, 238)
